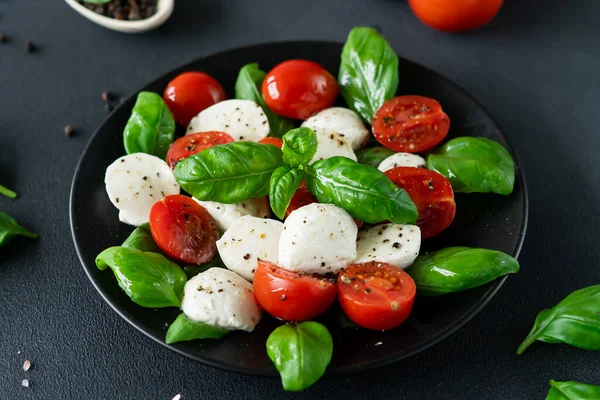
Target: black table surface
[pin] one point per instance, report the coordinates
(535, 68)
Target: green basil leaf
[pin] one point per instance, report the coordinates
(248, 87)
(572, 391)
(183, 329)
(363, 191)
(368, 72)
(459, 268)
(141, 239)
(151, 126)
(284, 183)
(373, 156)
(301, 353)
(229, 173)
(193, 269)
(149, 279)
(574, 321)
(9, 229)
(299, 147)
(7, 192)
(475, 164)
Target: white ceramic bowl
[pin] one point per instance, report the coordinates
(163, 12)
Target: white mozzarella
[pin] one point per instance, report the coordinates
(317, 238)
(225, 214)
(244, 120)
(389, 243)
(331, 145)
(340, 120)
(248, 240)
(135, 182)
(402, 160)
(221, 298)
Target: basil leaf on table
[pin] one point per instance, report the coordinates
(193, 270)
(459, 268)
(301, 353)
(363, 191)
(572, 391)
(368, 73)
(284, 183)
(151, 127)
(141, 239)
(574, 321)
(229, 173)
(373, 156)
(299, 147)
(475, 164)
(149, 279)
(183, 329)
(7, 192)
(10, 228)
(248, 87)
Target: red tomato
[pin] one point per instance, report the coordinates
(272, 140)
(376, 295)
(431, 193)
(290, 296)
(183, 229)
(301, 198)
(194, 143)
(410, 124)
(299, 88)
(190, 93)
(455, 15)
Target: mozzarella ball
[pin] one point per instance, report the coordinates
(402, 160)
(226, 214)
(340, 120)
(389, 243)
(331, 145)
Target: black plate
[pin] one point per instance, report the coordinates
(482, 220)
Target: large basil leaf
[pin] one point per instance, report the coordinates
(475, 164)
(373, 156)
(363, 191)
(284, 183)
(141, 239)
(184, 328)
(7, 192)
(572, 391)
(10, 228)
(149, 279)
(301, 353)
(368, 72)
(248, 87)
(229, 173)
(459, 268)
(299, 147)
(151, 126)
(574, 321)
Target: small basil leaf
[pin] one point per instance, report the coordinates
(373, 156)
(363, 191)
(459, 268)
(141, 239)
(248, 87)
(193, 270)
(229, 173)
(368, 72)
(10, 228)
(475, 164)
(572, 391)
(284, 183)
(299, 147)
(7, 192)
(574, 321)
(183, 329)
(301, 353)
(151, 126)
(149, 279)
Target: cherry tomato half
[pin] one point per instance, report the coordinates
(299, 88)
(455, 15)
(301, 198)
(183, 229)
(190, 93)
(273, 141)
(410, 124)
(194, 143)
(431, 193)
(376, 295)
(290, 296)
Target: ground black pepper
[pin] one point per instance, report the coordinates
(131, 10)
(30, 47)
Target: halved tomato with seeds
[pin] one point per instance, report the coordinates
(194, 143)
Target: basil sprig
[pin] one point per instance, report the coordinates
(574, 321)
(151, 127)
(10, 228)
(373, 156)
(141, 239)
(7, 192)
(299, 147)
(572, 391)
(301, 353)
(183, 329)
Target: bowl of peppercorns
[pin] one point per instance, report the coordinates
(128, 16)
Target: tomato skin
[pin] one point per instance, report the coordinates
(301, 198)
(432, 194)
(272, 141)
(376, 295)
(410, 124)
(290, 296)
(299, 88)
(455, 15)
(194, 143)
(183, 229)
(190, 93)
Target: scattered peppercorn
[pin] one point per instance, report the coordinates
(30, 47)
(3, 38)
(69, 130)
(106, 95)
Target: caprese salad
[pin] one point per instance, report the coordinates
(279, 201)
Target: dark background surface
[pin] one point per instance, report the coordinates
(535, 68)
